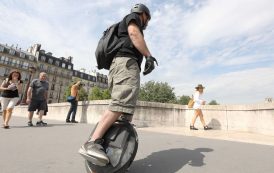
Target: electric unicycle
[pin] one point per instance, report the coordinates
(120, 144)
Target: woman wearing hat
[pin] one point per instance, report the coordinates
(198, 102)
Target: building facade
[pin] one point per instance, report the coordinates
(88, 80)
(59, 70)
(13, 58)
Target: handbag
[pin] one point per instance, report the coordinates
(190, 103)
(70, 98)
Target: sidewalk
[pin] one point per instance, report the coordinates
(215, 134)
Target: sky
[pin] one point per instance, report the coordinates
(228, 46)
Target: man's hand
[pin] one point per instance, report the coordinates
(149, 66)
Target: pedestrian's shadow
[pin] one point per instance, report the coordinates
(215, 124)
(170, 161)
(49, 125)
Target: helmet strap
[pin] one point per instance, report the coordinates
(144, 24)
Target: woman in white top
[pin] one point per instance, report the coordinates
(198, 102)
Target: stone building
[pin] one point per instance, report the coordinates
(59, 70)
(12, 57)
(88, 80)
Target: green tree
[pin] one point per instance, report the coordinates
(99, 94)
(106, 94)
(157, 92)
(83, 94)
(183, 100)
(213, 102)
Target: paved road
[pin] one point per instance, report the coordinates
(53, 149)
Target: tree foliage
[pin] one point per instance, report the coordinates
(157, 92)
(99, 94)
(213, 102)
(183, 100)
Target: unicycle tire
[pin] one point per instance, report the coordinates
(128, 152)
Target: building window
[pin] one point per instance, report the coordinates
(1, 49)
(12, 52)
(2, 59)
(52, 86)
(6, 60)
(2, 71)
(31, 58)
(54, 79)
(7, 71)
(22, 55)
(41, 67)
(25, 65)
(63, 65)
(57, 63)
(13, 62)
(43, 58)
(69, 67)
(50, 61)
(49, 69)
(31, 65)
(51, 95)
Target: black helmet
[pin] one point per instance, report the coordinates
(141, 8)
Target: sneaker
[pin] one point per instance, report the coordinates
(73, 121)
(207, 128)
(30, 123)
(67, 121)
(193, 128)
(93, 152)
(41, 123)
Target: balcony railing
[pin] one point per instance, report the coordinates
(9, 63)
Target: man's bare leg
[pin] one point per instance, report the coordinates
(41, 113)
(30, 115)
(104, 124)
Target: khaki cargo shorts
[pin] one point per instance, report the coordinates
(124, 84)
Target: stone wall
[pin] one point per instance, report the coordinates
(257, 118)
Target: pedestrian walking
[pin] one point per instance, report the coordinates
(37, 96)
(198, 102)
(11, 90)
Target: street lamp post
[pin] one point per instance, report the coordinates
(31, 72)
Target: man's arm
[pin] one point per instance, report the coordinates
(29, 95)
(138, 39)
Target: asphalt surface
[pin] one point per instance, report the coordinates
(54, 149)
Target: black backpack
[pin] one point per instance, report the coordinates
(108, 46)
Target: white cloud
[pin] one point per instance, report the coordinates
(190, 39)
(220, 19)
(248, 86)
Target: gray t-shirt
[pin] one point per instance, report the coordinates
(39, 89)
